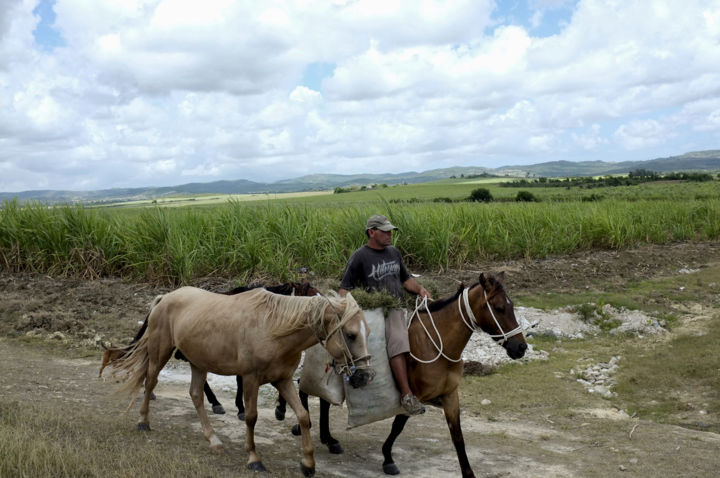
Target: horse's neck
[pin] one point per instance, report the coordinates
(299, 340)
(454, 333)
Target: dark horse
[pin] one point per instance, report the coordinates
(435, 367)
(303, 289)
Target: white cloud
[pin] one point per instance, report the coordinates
(159, 92)
(641, 134)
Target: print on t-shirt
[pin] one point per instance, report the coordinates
(384, 269)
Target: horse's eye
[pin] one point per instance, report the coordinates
(351, 337)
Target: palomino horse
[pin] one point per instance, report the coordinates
(303, 289)
(258, 335)
(438, 335)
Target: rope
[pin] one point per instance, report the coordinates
(470, 322)
(419, 303)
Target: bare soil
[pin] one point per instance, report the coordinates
(77, 314)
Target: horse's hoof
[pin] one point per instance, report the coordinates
(335, 448)
(256, 466)
(391, 469)
(296, 430)
(218, 409)
(307, 471)
(217, 449)
(241, 416)
(143, 427)
(279, 414)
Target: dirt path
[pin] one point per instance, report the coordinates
(599, 443)
(589, 442)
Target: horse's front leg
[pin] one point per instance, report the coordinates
(250, 394)
(389, 466)
(197, 382)
(288, 392)
(326, 438)
(451, 406)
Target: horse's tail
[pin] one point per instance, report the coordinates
(113, 354)
(133, 370)
(133, 367)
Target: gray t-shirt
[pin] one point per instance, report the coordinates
(374, 269)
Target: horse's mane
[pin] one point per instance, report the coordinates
(442, 303)
(436, 305)
(286, 314)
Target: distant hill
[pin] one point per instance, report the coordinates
(694, 161)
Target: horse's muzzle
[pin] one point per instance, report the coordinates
(361, 377)
(515, 348)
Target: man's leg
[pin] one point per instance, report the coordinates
(398, 364)
(411, 404)
(396, 337)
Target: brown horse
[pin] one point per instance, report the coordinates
(438, 335)
(258, 335)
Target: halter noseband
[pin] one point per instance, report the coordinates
(472, 323)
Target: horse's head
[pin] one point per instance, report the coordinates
(496, 315)
(304, 289)
(347, 339)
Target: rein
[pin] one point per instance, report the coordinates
(470, 322)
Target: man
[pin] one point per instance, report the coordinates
(379, 266)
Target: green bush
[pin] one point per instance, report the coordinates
(525, 196)
(481, 195)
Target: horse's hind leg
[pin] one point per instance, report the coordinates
(239, 398)
(196, 393)
(287, 390)
(451, 406)
(280, 409)
(325, 437)
(157, 358)
(389, 466)
(217, 408)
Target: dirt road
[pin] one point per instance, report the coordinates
(589, 442)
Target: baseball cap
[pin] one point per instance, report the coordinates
(378, 221)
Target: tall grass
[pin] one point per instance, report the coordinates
(273, 240)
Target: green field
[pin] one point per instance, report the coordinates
(271, 238)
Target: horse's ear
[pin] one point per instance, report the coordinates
(483, 280)
(500, 277)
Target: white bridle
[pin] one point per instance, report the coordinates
(470, 322)
(473, 325)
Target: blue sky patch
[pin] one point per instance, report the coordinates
(46, 36)
(316, 72)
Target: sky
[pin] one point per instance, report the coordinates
(98, 94)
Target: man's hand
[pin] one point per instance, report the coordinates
(411, 285)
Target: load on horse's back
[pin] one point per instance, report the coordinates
(257, 335)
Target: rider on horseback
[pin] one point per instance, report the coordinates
(379, 266)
